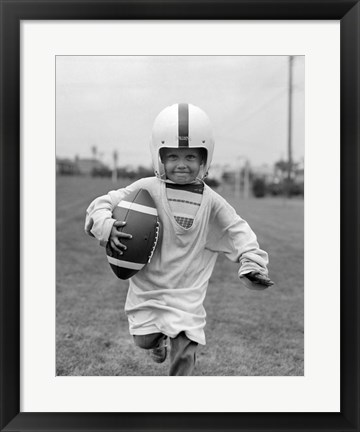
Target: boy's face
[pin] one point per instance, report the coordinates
(182, 165)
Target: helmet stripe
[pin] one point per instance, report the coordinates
(183, 125)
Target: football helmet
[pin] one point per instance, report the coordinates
(181, 125)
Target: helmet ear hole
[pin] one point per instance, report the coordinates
(203, 154)
(161, 154)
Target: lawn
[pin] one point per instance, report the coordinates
(248, 332)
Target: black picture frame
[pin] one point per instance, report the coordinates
(12, 12)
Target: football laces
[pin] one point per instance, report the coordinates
(157, 230)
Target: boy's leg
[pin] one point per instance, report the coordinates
(182, 355)
(148, 341)
(155, 343)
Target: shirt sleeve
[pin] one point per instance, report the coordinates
(232, 235)
(99, 220)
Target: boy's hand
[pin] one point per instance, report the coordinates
(257, 280)
(116, 235)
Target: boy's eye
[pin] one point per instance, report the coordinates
(192, 158)
(174, 157)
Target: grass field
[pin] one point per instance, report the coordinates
(248, 332)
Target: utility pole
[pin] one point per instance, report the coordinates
(242, 176)
(290, 162)
(246, 179)
(114, 172)
(94, 151)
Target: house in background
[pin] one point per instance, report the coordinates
(87, 167)
(66, 166)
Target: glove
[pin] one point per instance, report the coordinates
(256, 281)
(259, 278)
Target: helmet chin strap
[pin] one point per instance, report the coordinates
(171, 182)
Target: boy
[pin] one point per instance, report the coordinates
(165, 299)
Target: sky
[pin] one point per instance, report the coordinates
(111, 102)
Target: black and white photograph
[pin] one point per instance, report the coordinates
(180, 215)
(157, 220)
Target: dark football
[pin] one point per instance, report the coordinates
(139, 212)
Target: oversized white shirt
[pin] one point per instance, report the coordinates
(167, 295)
